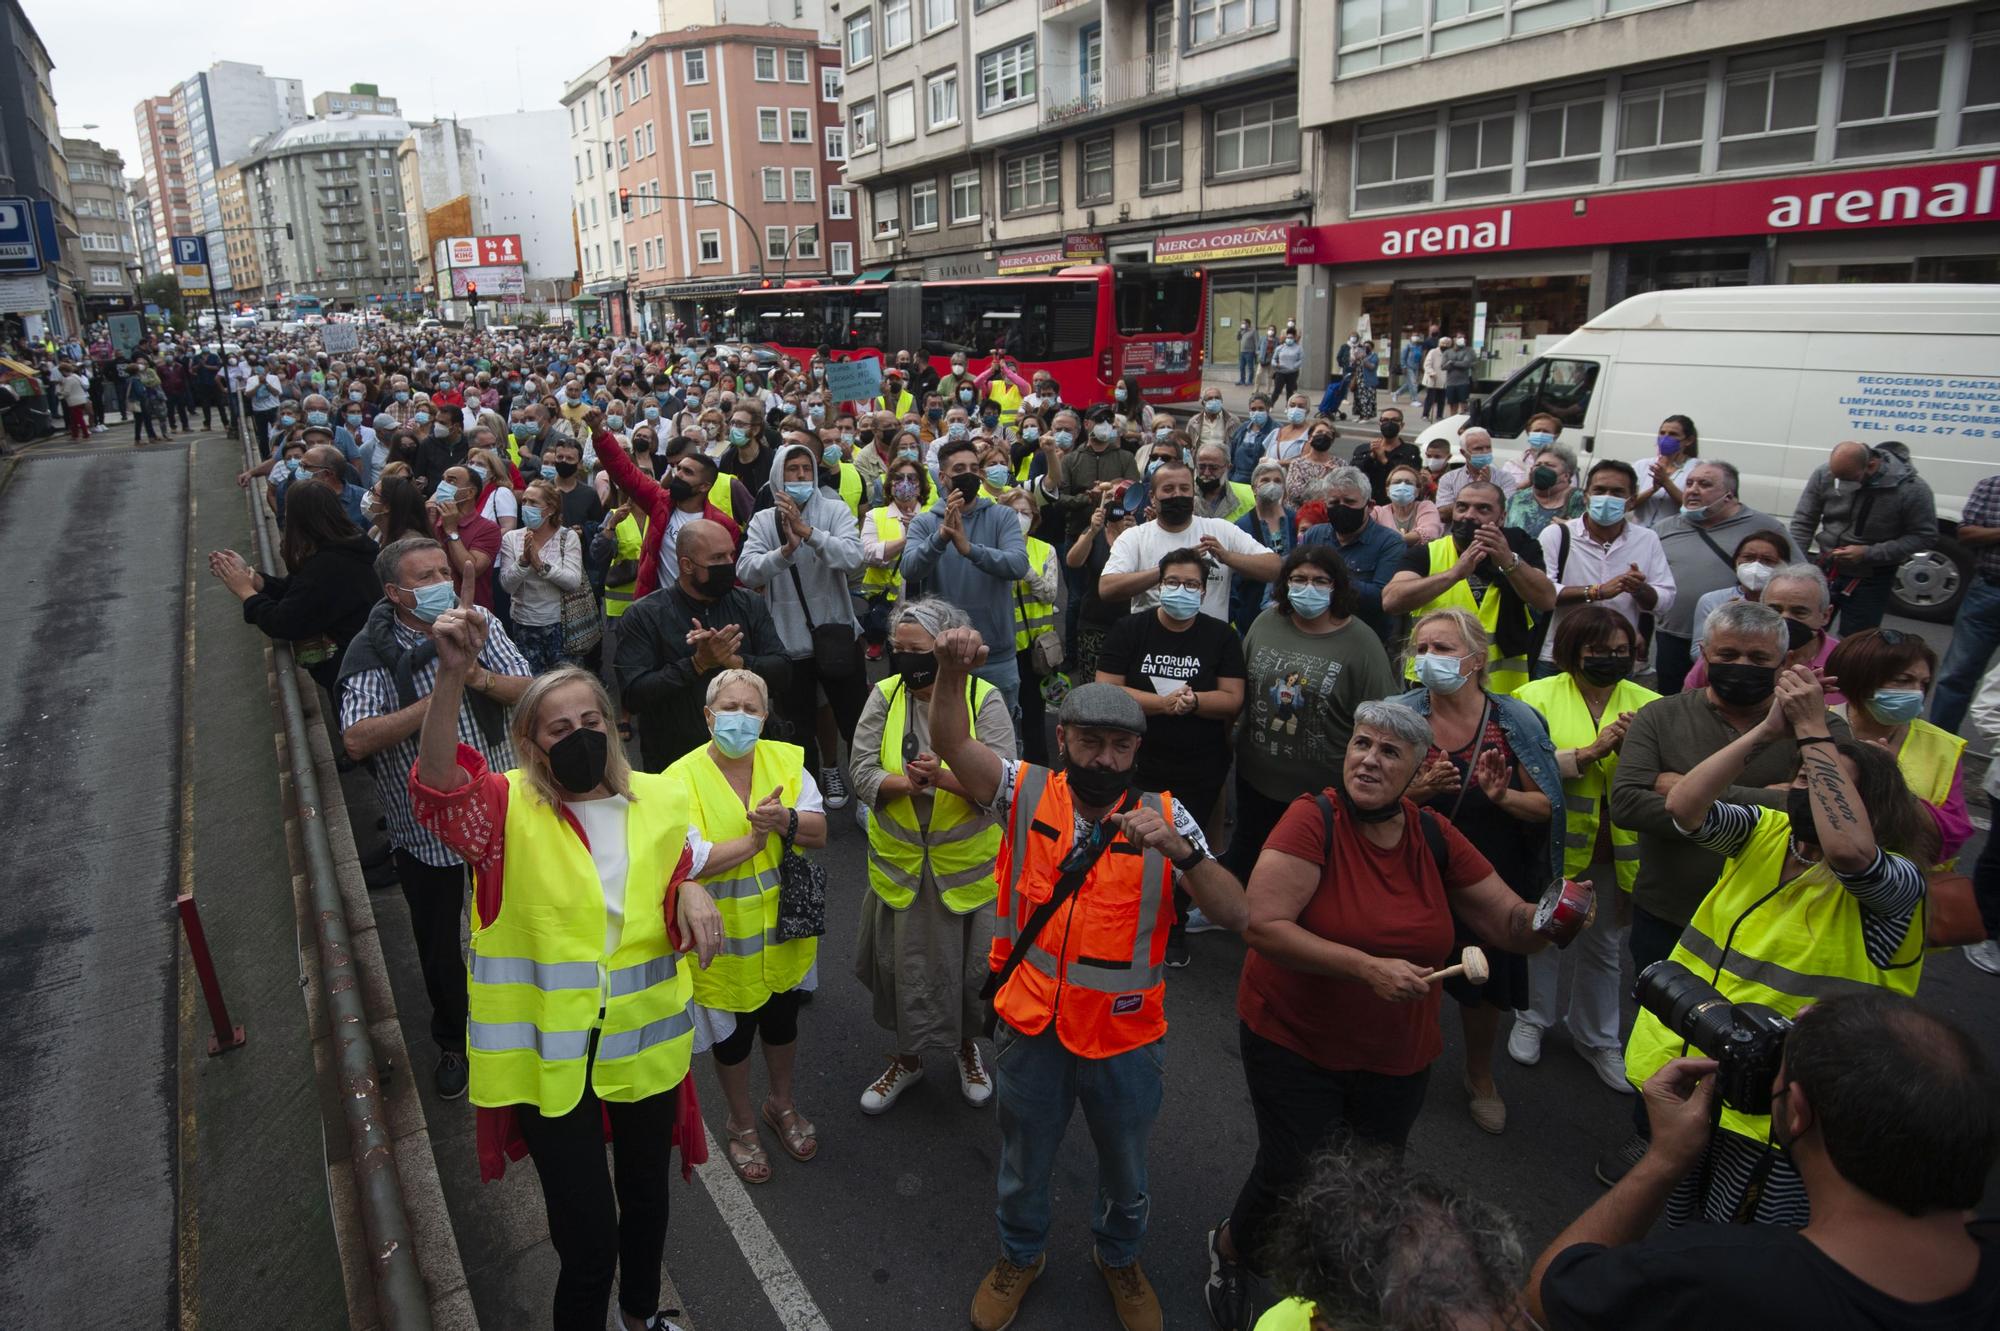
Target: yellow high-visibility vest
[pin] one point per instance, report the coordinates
(1503, 674)
(540, 977)
(723, 495)
(961, 843)
(1586, 798)
(1032, 618)
(852, 491)
(1789, 946)
(1006, 397)
(1928, 761)
(631, 534)
(753, 964)
(886, 581)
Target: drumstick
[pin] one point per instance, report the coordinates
(1472, 965)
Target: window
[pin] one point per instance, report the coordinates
(1007, 76)
(642, 79)
(1979, 122)
(652, 144)
(895, 24)
(777, 243)
(694, 65)
(767, 64)
(1161, 168)
(1395, 163)
(1770, 107)
(624, 153)
(964, 197)
(1479, 150)
(843, 258)
(1562, 387)
(1210, 19)
(802, 184)
(805, 243)
(1258, 137)
(767, 124)
(861, 126)
(800, 126)
(703, 186)
(101, 276)
(590, 165)
(888, 221)
(839, 203)
(941, 93)
(603, 110)
(1031, 182)
(774, 184)
(830, 83)
(1090, 62)
(701, 129)
(795, 67)
(617, 97)
(938, 13)
(899, 114)
(1565, 136)
(1660, 118)
(579, 170)
(1093, 171)
(861, 37)
(708, 246)
(924, 206)
(1889, 89)
(633, 252)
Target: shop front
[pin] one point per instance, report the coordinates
(1249, 283)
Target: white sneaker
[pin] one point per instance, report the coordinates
(973, 1083)
(1985, 955)
(1198, 923)
(1524, 1043)
(861, 817)
(891, 1084)
(1609, 1065)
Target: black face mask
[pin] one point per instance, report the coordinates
(1463, 530)
(1741, 685)
(1209, 484)
(1799, 808)
(1390, 429)
(918, 669)
(1346, 519)
(714, 581)
(1096, 786)
(1177, 509)
(967, 485)
(1798, 634)
(1604, 671)
(1322, 442)
(679, 490)
(1361, 815)
(1545, 478)
(577, 760)
(564, 469)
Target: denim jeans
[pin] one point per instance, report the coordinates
(1867, 603)
(1246, 368)
(1037, 1083)
(1973, 637)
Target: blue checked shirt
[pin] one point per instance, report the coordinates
(1982, 509)
(373, 693)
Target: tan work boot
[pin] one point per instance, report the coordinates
(1132, 1296)
(998, 1301)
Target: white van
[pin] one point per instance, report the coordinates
(1773, 378)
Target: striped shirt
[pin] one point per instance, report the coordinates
(372, 693)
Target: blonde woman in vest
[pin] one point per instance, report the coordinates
(906, 484)
(1817, 900)
(743, 784)
(1886, 674)
(925, 929)
(1587, 706)
(580, 1001)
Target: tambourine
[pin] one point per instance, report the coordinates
(1563, 911)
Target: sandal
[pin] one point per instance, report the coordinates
(795, 1133)
(752, 1157)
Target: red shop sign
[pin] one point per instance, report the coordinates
(1966, 191)
(499, 251)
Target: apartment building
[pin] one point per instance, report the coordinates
(332, 182)
(490, 176)
(746, 116)
(601, 302)
(139, 204)
(1010, 136)
(218, 114)
(239, 239)
(1508, 168)
(360, 99)
(105, 260)
(166, 187)
(677, 14)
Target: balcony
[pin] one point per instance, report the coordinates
(1068, 95)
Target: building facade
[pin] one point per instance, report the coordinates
(218, 114)
(360, 99)
(602, 301)
(332, 182)
(1596, 149)
(139, 206)
(489, 176)
(32, 166)
(239, 237)
(166, 186)
(104, 261)
(678, 14)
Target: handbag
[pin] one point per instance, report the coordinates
(832, 644)
(1045, 648)
(582, 625)
(1951, 912)
(801, 892)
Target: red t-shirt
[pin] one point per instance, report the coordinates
(483, 535)
(1387, 903)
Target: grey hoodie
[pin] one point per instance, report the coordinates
(823, 561)
(1893, 512)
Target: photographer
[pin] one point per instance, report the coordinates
(1813, 901)
(1887, 1112)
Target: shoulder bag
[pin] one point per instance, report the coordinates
(801, 892)
(832, 644)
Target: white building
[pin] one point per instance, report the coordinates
(499, 167)
(678, 14)
(601, 300)
(218, 114)
(333, 182)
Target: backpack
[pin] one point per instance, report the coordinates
(1433, 832)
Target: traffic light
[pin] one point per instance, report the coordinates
(472, 293)
(624, 201)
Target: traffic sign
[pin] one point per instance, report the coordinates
(19, 252)
(499, 251)
(191, 250)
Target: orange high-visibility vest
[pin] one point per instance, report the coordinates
(1098, 965)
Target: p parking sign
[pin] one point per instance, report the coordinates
(190, 250)
(19, 251)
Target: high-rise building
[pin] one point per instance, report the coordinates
(332, 182)
(166, 186)
(139, 203)
(239, 237)
(489, 176)
(218, 114)
(105, 256)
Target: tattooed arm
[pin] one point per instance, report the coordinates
(1839, 817)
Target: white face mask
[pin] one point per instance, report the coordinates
(1755, 577)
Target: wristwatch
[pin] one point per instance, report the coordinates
(451, 536)
(1196, 854)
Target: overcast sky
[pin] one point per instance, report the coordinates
(434, 58)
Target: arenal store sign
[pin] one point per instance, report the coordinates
(1966, 191)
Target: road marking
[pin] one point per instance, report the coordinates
(186, 1183)
(759, 1246)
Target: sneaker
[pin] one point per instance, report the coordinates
(1228, 1290)
(1524, 1043)
(1177, 948)
(1617, 1162)
(998, 1301)
(659, 1321)
(451, 1075)
(1198, 923)
(973, 1083)
(1489, 1112)
(1609, 1065)
(1985, 955)
(833, 787)
(1132, 1296)
(899, 1078)
(861, 817)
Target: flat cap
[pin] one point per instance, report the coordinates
(1104, 707)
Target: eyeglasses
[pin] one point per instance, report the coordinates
(1301, 583)
(1183, 584)
(1895, 637)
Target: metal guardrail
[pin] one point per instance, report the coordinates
(401, 1298)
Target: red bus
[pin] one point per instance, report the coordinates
(1087, 325)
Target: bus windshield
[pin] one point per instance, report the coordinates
(1158, 303)
(844, 320)
(1034, 321)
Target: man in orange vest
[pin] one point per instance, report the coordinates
(1086, 870)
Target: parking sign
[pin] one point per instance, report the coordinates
(18, 251)
(190, 250)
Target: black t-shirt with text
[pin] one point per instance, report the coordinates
(1178, 751)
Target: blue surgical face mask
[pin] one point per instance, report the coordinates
(1894, 707)
(1479, 461)
(1607, 510)
(956, 430)
(531, 516)
(288, 420)
(478, 471)
(1120, 394)
(1296, 415)
(421, 418)
(1540, 438)
(1213, 406)
(738, 435)
(800, 491)
(831, 455)
(1063, 438)
(1439, 673)
(354, 422)
(1402, 492)
(315, 418)
(1309, 602)
(402, 396)
(908, 454)
(1694, 512)
(1030, 433)
(548, 473)
(1182, 603)
(433, 599)
(736, 732)
(998, 476)
(614, 423)
(1260, 418)
(354, 395)
(526, 429)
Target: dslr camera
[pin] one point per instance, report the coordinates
(1747, 1040)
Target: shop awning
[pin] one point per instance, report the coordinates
(585, 300)
(876, 274)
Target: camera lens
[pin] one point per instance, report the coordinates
(1686, 1004)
